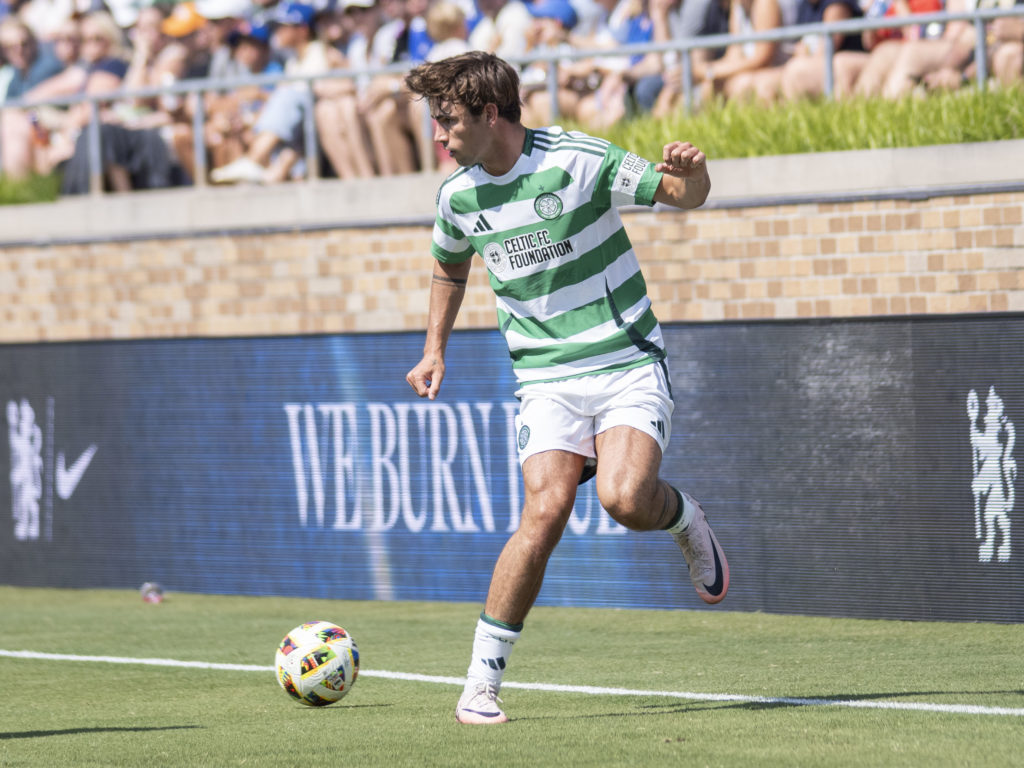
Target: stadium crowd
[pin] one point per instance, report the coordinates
(368, 125)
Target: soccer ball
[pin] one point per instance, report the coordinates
(317, 663)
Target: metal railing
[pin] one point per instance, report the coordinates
(682, 47)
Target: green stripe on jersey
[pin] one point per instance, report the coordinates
(578, 320)
(566, 353)
(551, 142)
(485, 196)
(449, 229)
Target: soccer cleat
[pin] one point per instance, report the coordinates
(709, 570)
(479, 705)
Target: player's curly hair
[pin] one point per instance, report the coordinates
(473, 80)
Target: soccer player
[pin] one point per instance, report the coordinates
(540, 207)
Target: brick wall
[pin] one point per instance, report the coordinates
(886, 257)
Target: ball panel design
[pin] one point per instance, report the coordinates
(317, 663)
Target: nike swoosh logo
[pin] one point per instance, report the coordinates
(68, 479)
(716, 588)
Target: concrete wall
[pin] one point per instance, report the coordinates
(882, 232)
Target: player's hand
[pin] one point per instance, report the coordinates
(425, 378)
(683, 160)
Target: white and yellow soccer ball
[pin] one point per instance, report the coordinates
(317, 663)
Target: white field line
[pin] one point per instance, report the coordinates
(915, 706)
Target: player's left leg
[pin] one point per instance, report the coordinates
(629, 488)
(633, 426)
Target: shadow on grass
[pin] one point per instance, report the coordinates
(74, 731)
(776, 702)
(673, 708)
(677, 707)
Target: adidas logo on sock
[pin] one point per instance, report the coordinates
(498, 663)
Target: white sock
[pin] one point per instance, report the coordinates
(687, 517)
(492, 645)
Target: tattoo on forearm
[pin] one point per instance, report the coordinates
(445, 280)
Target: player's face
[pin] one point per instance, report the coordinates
(464, 136)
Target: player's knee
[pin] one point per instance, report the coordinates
(541, 530)
(629, 504)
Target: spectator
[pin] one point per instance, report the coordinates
(27, 62)
(224, 17)
(391, 118)
(185, 55)
(28, 65)
(67, 43)
(675, 20)
(232, 115)
(101, 64)
(884, 45)
(804, 74)
(612, 77)
(552, 22)
(1005, 53)
(276, 153)
(45, 17)
(137, 135)
(753, 68)
(897, 68)
(100, 69)
(131, 158)
(501, 29)
(339, 122)
(1007, 50)
(156, 61)
(446, 26)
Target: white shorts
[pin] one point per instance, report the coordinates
(566, 415)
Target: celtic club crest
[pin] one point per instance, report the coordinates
(548, 206)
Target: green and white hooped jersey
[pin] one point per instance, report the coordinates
(571, 298)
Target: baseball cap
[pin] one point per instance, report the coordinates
(560, 10)
(294, 14)
(259, 33)
(184, 20)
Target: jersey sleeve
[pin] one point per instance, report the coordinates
(449, 244)
(627, 178)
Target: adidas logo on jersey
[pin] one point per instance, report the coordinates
(482, 225)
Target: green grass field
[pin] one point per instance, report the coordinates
(737, 679)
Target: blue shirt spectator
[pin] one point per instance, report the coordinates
(28, 62)
(813, 12)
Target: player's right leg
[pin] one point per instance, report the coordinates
(549, 480)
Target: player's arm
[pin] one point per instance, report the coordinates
(447, 289)
(685, 182)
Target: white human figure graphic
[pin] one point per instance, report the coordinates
(995, 475)
(26, 440)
